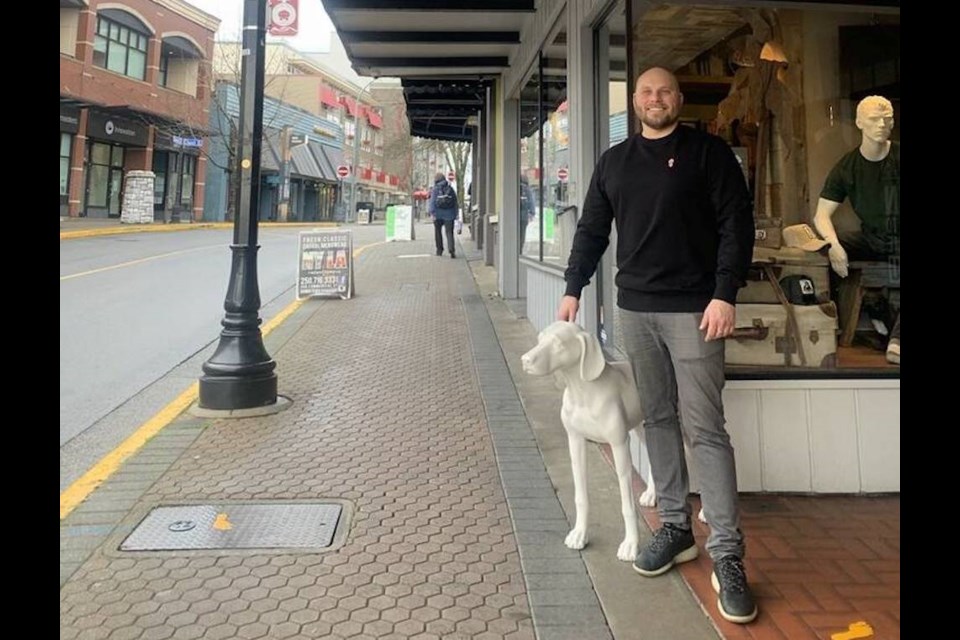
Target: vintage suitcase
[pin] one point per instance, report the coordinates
(765, 335)
(783, 262)
(767, 232)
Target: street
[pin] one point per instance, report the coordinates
(139, 313)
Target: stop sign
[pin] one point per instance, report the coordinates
(343, 171)
(563, 174)
(452, 176)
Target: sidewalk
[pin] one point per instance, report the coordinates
(407, 406)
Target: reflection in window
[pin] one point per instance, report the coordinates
(545, 167)
(529, 206)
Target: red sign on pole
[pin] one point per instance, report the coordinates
(343, 171)
(283, 17)
(563, 174)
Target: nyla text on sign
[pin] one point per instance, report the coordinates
(325, 265)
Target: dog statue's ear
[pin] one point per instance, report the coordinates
(591, 357)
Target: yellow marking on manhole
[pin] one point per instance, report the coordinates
(859, 629)
(81, 489)
(222, 523)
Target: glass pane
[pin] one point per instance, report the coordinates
(159, 188)
(64, 175)
(116, 184)
(137, 64)
(99, 176)
(529, 190)
(558, 225)
(117, 58)
(125, 35)
(116, 156)
(100, 51)
(186, 190)
(114, 31)
(65, 145)
(103, 27)
(100, 153)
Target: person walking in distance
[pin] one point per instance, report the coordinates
(443, 208)
(684, 244)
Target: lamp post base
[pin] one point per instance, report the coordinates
(236, 392)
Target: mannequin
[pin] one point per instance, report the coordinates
(870, 177)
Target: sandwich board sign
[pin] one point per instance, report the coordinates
(325, 264)
(399, 223)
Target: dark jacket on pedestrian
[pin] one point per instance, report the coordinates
(684, 223)
(442, 213)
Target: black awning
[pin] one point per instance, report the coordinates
(442, 107)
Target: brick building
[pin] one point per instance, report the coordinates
(134, 97)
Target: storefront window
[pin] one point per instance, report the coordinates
(187, 179)
(529, 206)
(65, 142)
(808, 101)
(545, 165)
(104, 178)
(160, 159)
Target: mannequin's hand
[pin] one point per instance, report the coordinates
(838, 259)
(718, 320)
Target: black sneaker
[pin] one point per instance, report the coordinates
(670, 545)
(439, 252)
(453, 254)
(729, 580)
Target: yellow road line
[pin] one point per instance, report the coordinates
(138, 261)
(165, 228)
(98, 473)
(147, 228)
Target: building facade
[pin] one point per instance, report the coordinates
(135, 83)
(299, 156)
(370, 115)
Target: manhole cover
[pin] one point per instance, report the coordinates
(247, 526)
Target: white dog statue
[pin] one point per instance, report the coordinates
(601, 404)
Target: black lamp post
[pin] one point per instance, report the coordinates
(240, 374)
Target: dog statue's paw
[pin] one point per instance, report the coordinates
(576, 539)
(628, 550)
(702, 518)
(648, 498)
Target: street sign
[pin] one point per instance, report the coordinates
(297, 139)
(451, 176)
(283, 17)
(343, 171)
(562, 174)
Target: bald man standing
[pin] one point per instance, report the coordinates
(684, 243)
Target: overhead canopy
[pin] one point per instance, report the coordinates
(445, 52)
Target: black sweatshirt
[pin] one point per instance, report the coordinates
(684, 223)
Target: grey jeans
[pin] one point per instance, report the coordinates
(671, 362)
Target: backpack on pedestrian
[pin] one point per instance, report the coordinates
(446, 198)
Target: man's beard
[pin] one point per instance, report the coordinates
(664, 120)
